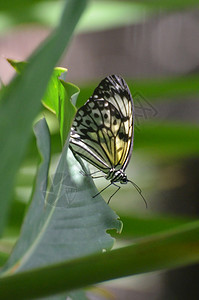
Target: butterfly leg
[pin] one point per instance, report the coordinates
(88, 174)
(118, 188)
(91, 174)
(102, 190)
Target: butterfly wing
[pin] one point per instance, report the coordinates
(102, 131)
(115, 90)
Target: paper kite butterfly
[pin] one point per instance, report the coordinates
(102, 131)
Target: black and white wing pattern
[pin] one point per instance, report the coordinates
(102, 131)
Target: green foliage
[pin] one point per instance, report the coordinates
(141, 226)
(170, 249)
(64, 222)
(60, 97)
(21, 101)
(102, 14)
(65, 229)
(172, 139)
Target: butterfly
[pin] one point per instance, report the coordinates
(103, 129)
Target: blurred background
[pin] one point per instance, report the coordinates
(155, 47)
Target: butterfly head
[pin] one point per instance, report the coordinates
(124, 179)
(119, 176)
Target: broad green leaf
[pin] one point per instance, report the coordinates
(171, 249)
(28, 234)
(65, 221)
(20, 102)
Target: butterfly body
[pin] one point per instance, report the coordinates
(102, 131)
(117, 176)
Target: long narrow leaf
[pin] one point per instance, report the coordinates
(21, 101)
(172, 249)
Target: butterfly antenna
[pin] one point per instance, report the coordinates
(139, 191)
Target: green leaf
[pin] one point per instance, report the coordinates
(20, 102)
(60, 97)
(19, 66)
(28, 234)
(172, 249)
(67, 110)
(3, 258)
(54, 91)
(65, 221)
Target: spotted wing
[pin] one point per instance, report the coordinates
(102, 132)
(115, 90)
